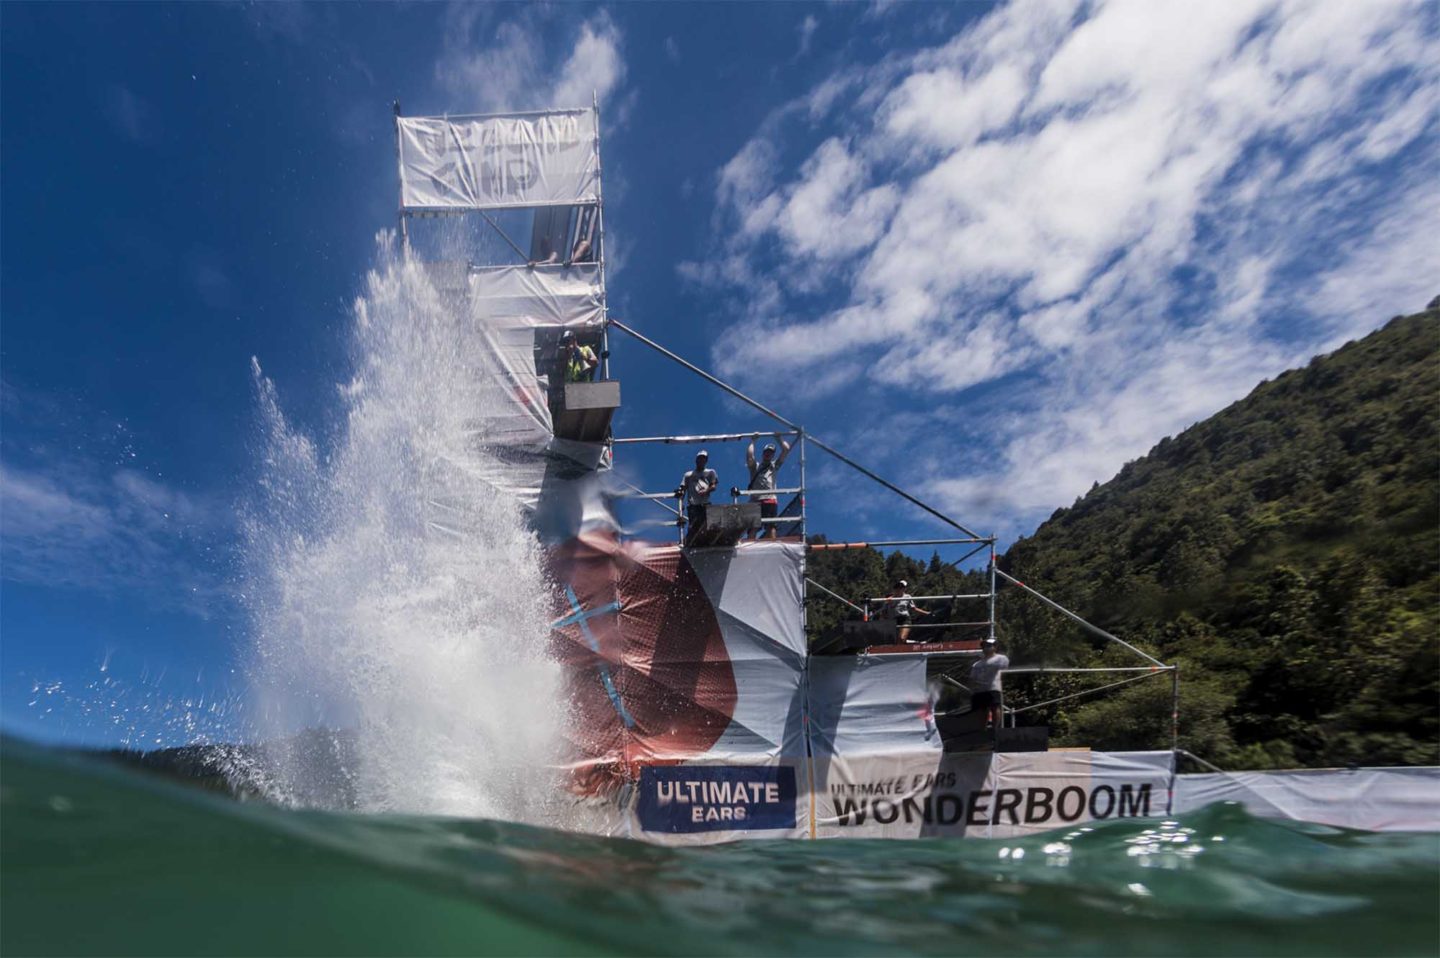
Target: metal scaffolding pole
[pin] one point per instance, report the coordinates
(656, 497)
(992, 591)
(770, 492)
(400, 171)
(1093, 628)
(956, 563)
(804, 529)
(946, 625)
(1084, 692)
(781, 419)
(599, 248)
(1175, 710)
(929, 598)
(841, 546)
(835, 595)
(1036, 670)
(691, 440)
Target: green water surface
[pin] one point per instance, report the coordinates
(97, 859)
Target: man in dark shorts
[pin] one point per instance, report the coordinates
(900, 607)
(695, 488)
(762, 477)
(985, 683)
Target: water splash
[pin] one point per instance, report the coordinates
(394, 592)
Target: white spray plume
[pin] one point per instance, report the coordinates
(394, 593)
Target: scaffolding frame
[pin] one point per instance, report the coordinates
(596, 255)
(995, 576)
(802, 440)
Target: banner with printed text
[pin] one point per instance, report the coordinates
(498, 162)
(984, 795)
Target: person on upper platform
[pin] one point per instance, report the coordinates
(900, 607)
(584, 249)
(985, 683)
(762, 477)
(578, 361)
(695, 489)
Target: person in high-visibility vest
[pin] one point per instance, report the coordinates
(579, 361)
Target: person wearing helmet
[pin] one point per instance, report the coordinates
(578, 361)
(762, 477)
(900, 606)
(985, 683)
(695, 489)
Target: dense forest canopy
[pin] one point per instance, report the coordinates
(1285, 553)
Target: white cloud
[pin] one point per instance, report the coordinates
(1139, 208)
(806, 30)
(70, 525)
(489, 66)
(594, 67)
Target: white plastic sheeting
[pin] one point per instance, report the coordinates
(863, 706)
(497, 162)
(759, 587)
(511, 296)
(508, 307)
(1374, 799)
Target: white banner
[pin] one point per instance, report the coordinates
(542, 159)
(1375, 799)
(980, 795)
(864, 706)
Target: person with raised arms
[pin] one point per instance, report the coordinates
(762, 477)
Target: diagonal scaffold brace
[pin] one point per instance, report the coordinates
(716, 381)
(1155, 664)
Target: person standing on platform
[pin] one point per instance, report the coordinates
(762, 477)
(985, 683)
(901, 607)
(695, 488)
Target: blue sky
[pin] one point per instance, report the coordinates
(992, 251)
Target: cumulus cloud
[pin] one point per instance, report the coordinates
(493, 65)
(1132, 211)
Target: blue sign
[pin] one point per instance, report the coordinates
(716, 798)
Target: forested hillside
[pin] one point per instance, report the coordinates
(1285, 552)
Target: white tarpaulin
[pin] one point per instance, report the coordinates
(508, 296)
(870, 706)
(514, 314)
(496, 162)
(1374, 799)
